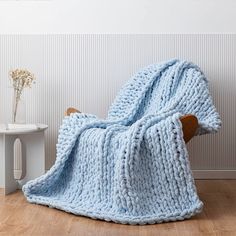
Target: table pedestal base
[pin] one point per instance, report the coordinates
(34, 150)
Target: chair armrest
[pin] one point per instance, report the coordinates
(189, 126)
(71, 110)
(189, 123)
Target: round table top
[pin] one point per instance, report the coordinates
(21, 128)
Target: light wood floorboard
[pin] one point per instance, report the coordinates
(18, 217)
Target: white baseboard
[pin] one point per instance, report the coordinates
(214, 174)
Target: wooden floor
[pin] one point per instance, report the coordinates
(17, 217)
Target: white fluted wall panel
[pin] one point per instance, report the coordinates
(86, 71)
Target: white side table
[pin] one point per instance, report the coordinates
(32, 140)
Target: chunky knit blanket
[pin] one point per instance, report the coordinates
(132, 167)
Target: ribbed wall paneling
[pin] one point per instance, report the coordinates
(86, 71)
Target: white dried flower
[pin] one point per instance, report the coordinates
(20, 79)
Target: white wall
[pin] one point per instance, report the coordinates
(117, 16)
(86, 71)
(59, 59)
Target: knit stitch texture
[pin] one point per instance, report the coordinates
(132, 167)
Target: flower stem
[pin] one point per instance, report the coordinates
(17, 99)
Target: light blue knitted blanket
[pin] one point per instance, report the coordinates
(132, 167)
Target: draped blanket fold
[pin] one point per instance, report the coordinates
(132, 167)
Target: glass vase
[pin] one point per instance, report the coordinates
(18, 108)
